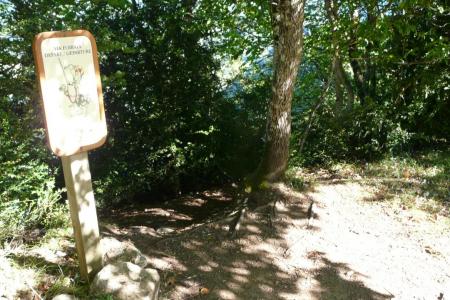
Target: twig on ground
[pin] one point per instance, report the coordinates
(236, 222)
(310, 212)
(274, 208)
(33, 290)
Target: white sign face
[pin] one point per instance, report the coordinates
(71, 91)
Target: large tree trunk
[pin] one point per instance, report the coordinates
(287, 25)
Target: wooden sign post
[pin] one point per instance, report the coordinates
(71, 92)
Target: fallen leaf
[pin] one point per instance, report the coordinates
(171, 280)
(204, 291)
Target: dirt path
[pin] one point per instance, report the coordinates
(353, 248)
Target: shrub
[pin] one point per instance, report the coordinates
(362, 133)
(28, 197)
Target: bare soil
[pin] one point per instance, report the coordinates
(353, 247)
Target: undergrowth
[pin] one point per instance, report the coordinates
(43, 269)
(416, 181)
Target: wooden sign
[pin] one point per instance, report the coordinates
(69, 79)
(68, 73)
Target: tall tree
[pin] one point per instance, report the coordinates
(287, 28)
(341, 80)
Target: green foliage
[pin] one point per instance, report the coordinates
(293, 179)
(169, 127)
(240, 140)
(400, 104)
(418, 180)
(176, 122)
(161, 99)
(236, 28)
(362, 133)
(28, 196)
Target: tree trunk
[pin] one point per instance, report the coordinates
(352, 53)
(341, 79)
(338, 91)
(371, 74)
(287, 25)
(319, 102)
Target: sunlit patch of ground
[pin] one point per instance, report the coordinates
(42, 269)
(14, 281)
(350, 249)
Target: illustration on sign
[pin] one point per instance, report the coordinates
(71, 89)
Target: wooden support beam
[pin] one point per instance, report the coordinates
(83, 213)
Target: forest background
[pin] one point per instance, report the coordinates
(187, 84)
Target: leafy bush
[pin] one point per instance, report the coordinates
(171, 129)
(28, 197)
(363, 133)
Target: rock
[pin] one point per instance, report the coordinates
(65, 297)
(127, 281)
(115, 250)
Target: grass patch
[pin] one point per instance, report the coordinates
(44, 269)
(415, 181)
(294, 180)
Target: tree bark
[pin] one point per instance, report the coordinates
(352, 53)
(287, 25)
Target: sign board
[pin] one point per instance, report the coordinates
(69, 79)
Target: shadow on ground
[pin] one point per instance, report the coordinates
(177, 214)
(204, 262)
(334, 285)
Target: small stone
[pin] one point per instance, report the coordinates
(115, 250)
(126, 281)
(65, 297)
